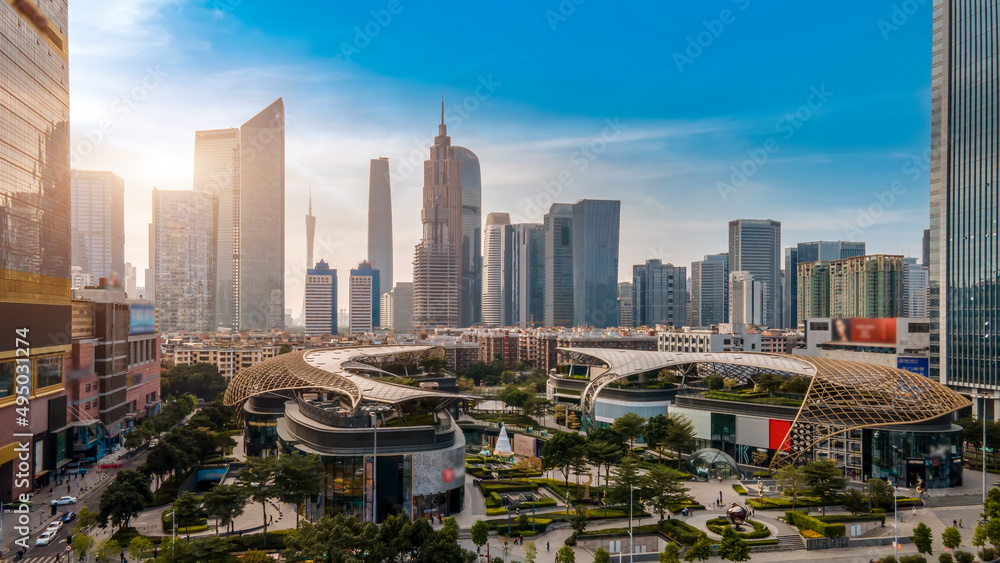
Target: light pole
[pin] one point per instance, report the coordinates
(895, 520)
(373, 410)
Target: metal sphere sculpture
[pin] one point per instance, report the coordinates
(737, 514)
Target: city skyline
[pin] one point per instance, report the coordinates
(674, 150)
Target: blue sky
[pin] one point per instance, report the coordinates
(691, 113)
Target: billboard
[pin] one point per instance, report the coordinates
(915, 364)
(142, 318)
(863, 331)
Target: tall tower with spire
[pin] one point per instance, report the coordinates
(437, 275)
(380, 222)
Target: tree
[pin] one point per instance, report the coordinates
(603, 453)
(671, 554)
(109, 550)
(679, 436)
(81, 544)
(923, 538)
(85, 518)
(992, 529)
(666, 375)
(203, 380)
(565, 555)
(655, 430)
(770, 382)
(186, 510)
(530, 552)
(298, 476)
(434, 364)
(629, 426)
(854, 500)
(733, 546)
(627, 478)
(700, 551)
(140, 548)
(513, 397)
(797, 384)
(225, 503)
(979, 536)
(560, 451)
(714, 383)
(254, 556)
(602, 556)
(578, 521)
(991, 507)
(259, 474)
(951, 537)
(825, 479)
(881, 493)
(480, 533)
(124, 498)
(792, 480)
(537, 407)
(284, 349)
(729, 383)
(663, 487)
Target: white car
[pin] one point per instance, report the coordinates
(46, 538)
(54, 526)
(63, 500)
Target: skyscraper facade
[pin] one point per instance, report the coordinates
(321, 300)
(524, 274)
(747, 299)
(217, 171)
(626, 311)
(559, 265)
(365, 299)
(965, 186)
(862, 286)
(35, 240)
(471, 260)
(98, 224)
(380, 221)
(493, 268)
(755, 248)
(659, 294)
(184, 259)
(596, 225)
(810, 252)
(915, 282)
(437, 275)
(402, 306)
(710, 290)
(310, 239)
(262, 220)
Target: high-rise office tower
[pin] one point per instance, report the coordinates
(747, 299)
(35, 241)
(596, 225)
(810, 252)
(558, 227)
(402, 306)
(659, 294)
(184, 259)
(755, 248)
(626, 311)
(493, 268)
(437, 274)
(925, 260)
(245, 170)
(217, 171)
(524, 274)
(862, 286)
(710, 290)
(310, 238)
(365, 299)
(262, 219)
(915, 282)
(380, 221)
(471, 259)
(131, 283)
(98, 224)
(321, 300)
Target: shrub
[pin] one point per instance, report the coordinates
(988, 554)
(740, 489)
(811, 534)
(912, 559)
(946, 558)
(718, 525)
(964, 557)
(888, 559)
(275, 540)
(803, 521)
(682, 532)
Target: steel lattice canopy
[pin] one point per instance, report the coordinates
(842, 395)
(338, 370)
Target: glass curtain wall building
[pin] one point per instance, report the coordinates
(596, 225)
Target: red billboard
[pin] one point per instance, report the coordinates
(863, 331)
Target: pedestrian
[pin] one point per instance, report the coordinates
(546, 546)
(959, 522)
(520, 539)
(156, 551)
(914, 509)
(954, 522)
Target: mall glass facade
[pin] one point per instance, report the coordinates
(903, 457)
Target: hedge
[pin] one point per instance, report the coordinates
(716, 525)
(740, 489)
(506, 486)
(680, 531)
(782, 502)
(676, 508)
(852, 518)
(803, 521)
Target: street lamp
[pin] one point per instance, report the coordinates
(982, 413)
(373, 410)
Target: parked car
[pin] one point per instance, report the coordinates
(63, 500)
(54, 526)
(68, 517)
(46, 538)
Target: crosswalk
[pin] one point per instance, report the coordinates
(45, 559)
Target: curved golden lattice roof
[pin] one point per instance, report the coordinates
(842, 395)
(337, 370)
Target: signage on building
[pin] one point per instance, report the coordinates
(915, 364)
(863, 331)
(142, 318)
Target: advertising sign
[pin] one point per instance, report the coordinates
(142, 318)
(915, 364)
(863, 331)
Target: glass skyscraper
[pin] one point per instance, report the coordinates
(523, 274)
(493, 269)
(471, 260)
(810, 252)
(659, 294)
(380, 221)
(559, 265)
(710, 290)
(98, 205)
(965, 187)
(596, 225)
(755, 248)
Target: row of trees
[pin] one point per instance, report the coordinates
(202, 380)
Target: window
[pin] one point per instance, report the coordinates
(919, 328)
(49, 371)
(87, 389)
(819, 326)
(6, 379)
